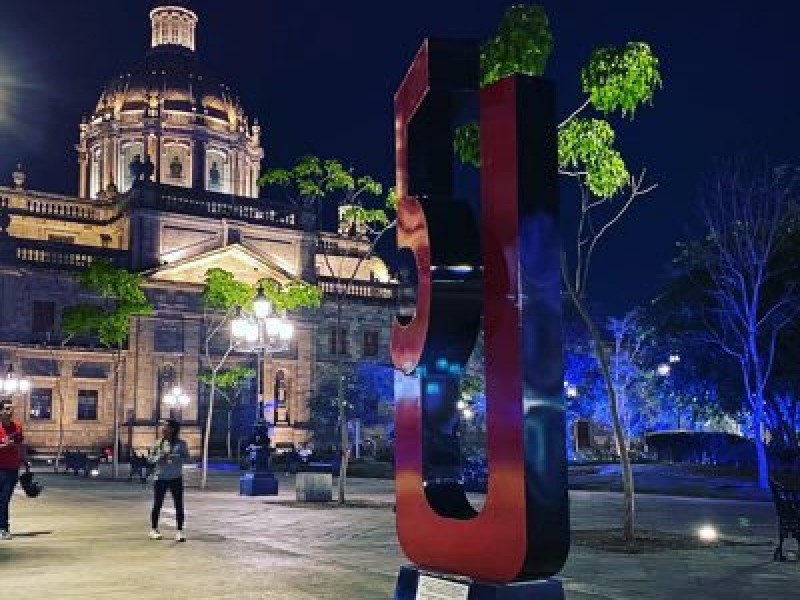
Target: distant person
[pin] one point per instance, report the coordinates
(168, 457)
(12, 456)
(304, 453)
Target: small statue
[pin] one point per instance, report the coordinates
(136, 168)
(19, 176)
(149, 169)
(176, 168)
(214, 175)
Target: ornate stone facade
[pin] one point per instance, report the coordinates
(173, 226)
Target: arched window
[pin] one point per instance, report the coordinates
(280, 394)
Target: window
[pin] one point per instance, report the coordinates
(44, 317)
(168, 338)
(371, 339)
(41, 404)
(342, 341)
(87, 405)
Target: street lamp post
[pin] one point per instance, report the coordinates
(263, 332)
(13, 384)
(176, 398)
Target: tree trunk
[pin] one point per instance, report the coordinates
(207, 438)
(115, 452)
(340, 402)
(761, 447)
(619, 434)
(228, 437)
(60, 450)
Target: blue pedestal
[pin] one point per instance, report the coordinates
(413, 584)
(255, 483)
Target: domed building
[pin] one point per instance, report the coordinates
(168, 188)
(169, 112)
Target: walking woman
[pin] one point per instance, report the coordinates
(169, 456)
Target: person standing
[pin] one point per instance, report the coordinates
(168, 456)
(11, 458)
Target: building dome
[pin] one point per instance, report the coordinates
(170, 111)
(175, 79)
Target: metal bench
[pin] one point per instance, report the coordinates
(79, 461)
(141, 466)
(787, 505)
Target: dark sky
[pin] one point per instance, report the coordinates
(320, 75)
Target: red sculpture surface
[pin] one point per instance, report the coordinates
(522, 531)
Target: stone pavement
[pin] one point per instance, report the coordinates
(86, 539)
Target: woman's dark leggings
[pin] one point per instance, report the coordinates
(160, 487)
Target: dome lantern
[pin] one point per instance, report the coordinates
(173, 26)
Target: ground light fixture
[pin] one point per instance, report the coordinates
(708, 534)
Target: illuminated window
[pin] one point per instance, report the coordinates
(41, 404)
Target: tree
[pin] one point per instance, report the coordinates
(634, 375)
(615, 80)
(230, 385)
(222, 296)
(122, 298)
(749, 301)
(364, 212)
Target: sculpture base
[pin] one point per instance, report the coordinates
(254, 483)
(413, 584)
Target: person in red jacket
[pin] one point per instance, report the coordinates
(11, 457)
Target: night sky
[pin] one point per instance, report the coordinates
(320, 75)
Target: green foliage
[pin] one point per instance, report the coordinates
(358, 215)
(471, 385)
(522, 45)
(294, 295)
(81, 319)
(615, 79)
(391, 199)
(621, 78)
(124, 298)
(107, 281)
(229, 379)
(468, 144)
(313, 180)
(586, 145)
(223, 292)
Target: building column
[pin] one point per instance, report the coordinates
(115, 163)
(108, 162)
(83, 182)
(198, 164)
(254, 188)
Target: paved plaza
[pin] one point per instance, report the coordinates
(86, 539)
